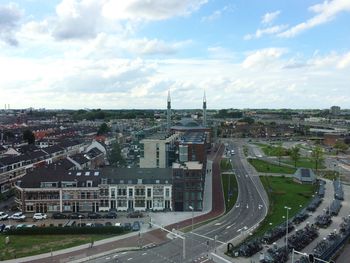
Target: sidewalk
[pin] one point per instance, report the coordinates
(148, 237)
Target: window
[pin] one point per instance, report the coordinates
(149, 192)
(89, 183)
(130, 192)
(87, 173)
(103, 180)
(167, 192)
(113, 192)
(139, 181)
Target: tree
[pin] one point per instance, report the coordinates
(280, 152)
(103, 129)
(340, 146)
(295, 155)
(28, 136)
(317, 156)
(115, 157)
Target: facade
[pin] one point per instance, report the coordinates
(158, 151)
(188, 186)
(46, 190)
(335, 110)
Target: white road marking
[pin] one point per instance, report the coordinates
(108, 258)
(123, 253)
(115, 256)
(144, 254)
(129, 259)
(217, 224)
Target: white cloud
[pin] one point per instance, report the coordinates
(325, 12)
(268, 18)
(266, 31)
(216, 14)
(263, 57)
(10, 16)
(344, 61)
(150, 10)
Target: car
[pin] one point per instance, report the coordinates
(135, 214)
(93, 215)
(118, 224)
(136, 226)
(3, 216)
(8, 228)
(59, 216)
(39, 216)
(111, 214)
(19, 216)
(76, 216)
(2, 227)
(108, 224)
(127, 226)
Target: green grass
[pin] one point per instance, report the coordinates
(229, 200)
(265, 167)
(282, 191)
(225, 165)
(304, 162)
(23, 245)
(271, 150)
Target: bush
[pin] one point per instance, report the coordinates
(66, 230)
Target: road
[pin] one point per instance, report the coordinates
(251, 208)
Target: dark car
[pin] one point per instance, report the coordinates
(98, 225)
(108, 224)
(93, 215)
(59, 216)
(111, 214)
(127, 226)
(136, 214)
(76, 216)
(136, 226)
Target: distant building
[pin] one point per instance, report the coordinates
(304, 176)
(335, 110)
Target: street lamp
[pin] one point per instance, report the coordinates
(191, 207)
(287, 208)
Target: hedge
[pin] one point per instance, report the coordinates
(66, 230)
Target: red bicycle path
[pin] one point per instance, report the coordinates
(157, 236)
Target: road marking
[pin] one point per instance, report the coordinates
(115, 256)
(108, 258)
(228, 227)
(144, 254)
(123, 253)
(129, 259)
(217, 224)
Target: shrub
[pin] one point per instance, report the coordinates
(66, 230)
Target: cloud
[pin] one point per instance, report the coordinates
(344, 61)
(325, 12)
(216, 14)
(262, 57)
(10, 16)
(265, 31)
(268, 18)
(150, 10)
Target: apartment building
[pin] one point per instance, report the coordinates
(136, 189)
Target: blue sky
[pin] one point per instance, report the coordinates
(128, 54)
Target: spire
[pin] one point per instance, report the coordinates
(168, 112)
(204, 110)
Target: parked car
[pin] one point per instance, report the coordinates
(2, 227)
(127, 226)
(93, 215)
(59, 216)
(118, 224)
(108, 224)
(76, 216)
(3, 216)
(19, 216)
(135, 214)
(136, 226)
(111, 214)
(39, 216)
(8, 228)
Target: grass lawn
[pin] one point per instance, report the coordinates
(24, 245)
(282, 191)
(225, 165)
(304, 162)
(271, 150)
(265, 167)
(230, 200)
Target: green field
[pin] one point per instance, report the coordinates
(265, 167)
(229, 200)
(23, 245)
(282, 191)
(304, 162)
(225, 165)
(271, 150)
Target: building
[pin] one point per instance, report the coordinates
(335, 110)
(188, 186)
(57, 190)
(158, 150)
(192, 146)
(304, 176)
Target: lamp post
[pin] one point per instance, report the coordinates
(191, 207)
(287, 208)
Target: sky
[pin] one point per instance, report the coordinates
(113, 54)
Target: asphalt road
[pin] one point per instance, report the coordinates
(250, 209)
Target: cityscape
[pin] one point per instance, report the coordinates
(174, 131)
